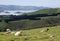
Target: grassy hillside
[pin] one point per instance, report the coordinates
(46, 11)
(31, 24)
(33, 35)
(47, 21)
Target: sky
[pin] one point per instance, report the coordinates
(45, 3)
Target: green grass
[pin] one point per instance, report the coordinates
(33, 35)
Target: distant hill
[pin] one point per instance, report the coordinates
(15, 7)
(45, 11)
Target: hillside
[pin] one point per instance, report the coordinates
(33, 35)
(46, 11)
(42, 18)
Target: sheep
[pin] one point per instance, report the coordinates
(18, 33)
(45, 30)
(12, 32)
(51, 36)
(8, 31)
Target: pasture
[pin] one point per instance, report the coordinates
(33, 35)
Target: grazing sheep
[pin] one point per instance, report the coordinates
(18, 33)
(51, 36)
(8, 31)
(45, 30)
(12, 32)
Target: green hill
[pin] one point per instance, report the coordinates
(32, 24)
(46, 11)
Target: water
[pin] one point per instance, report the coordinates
(14, 12)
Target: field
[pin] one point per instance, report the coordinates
(33, 35)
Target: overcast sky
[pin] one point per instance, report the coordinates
(46, 3)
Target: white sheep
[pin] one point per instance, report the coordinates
(51, 36)
(13, 32)
(45, 30)
(8, 30)
(18, 33)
